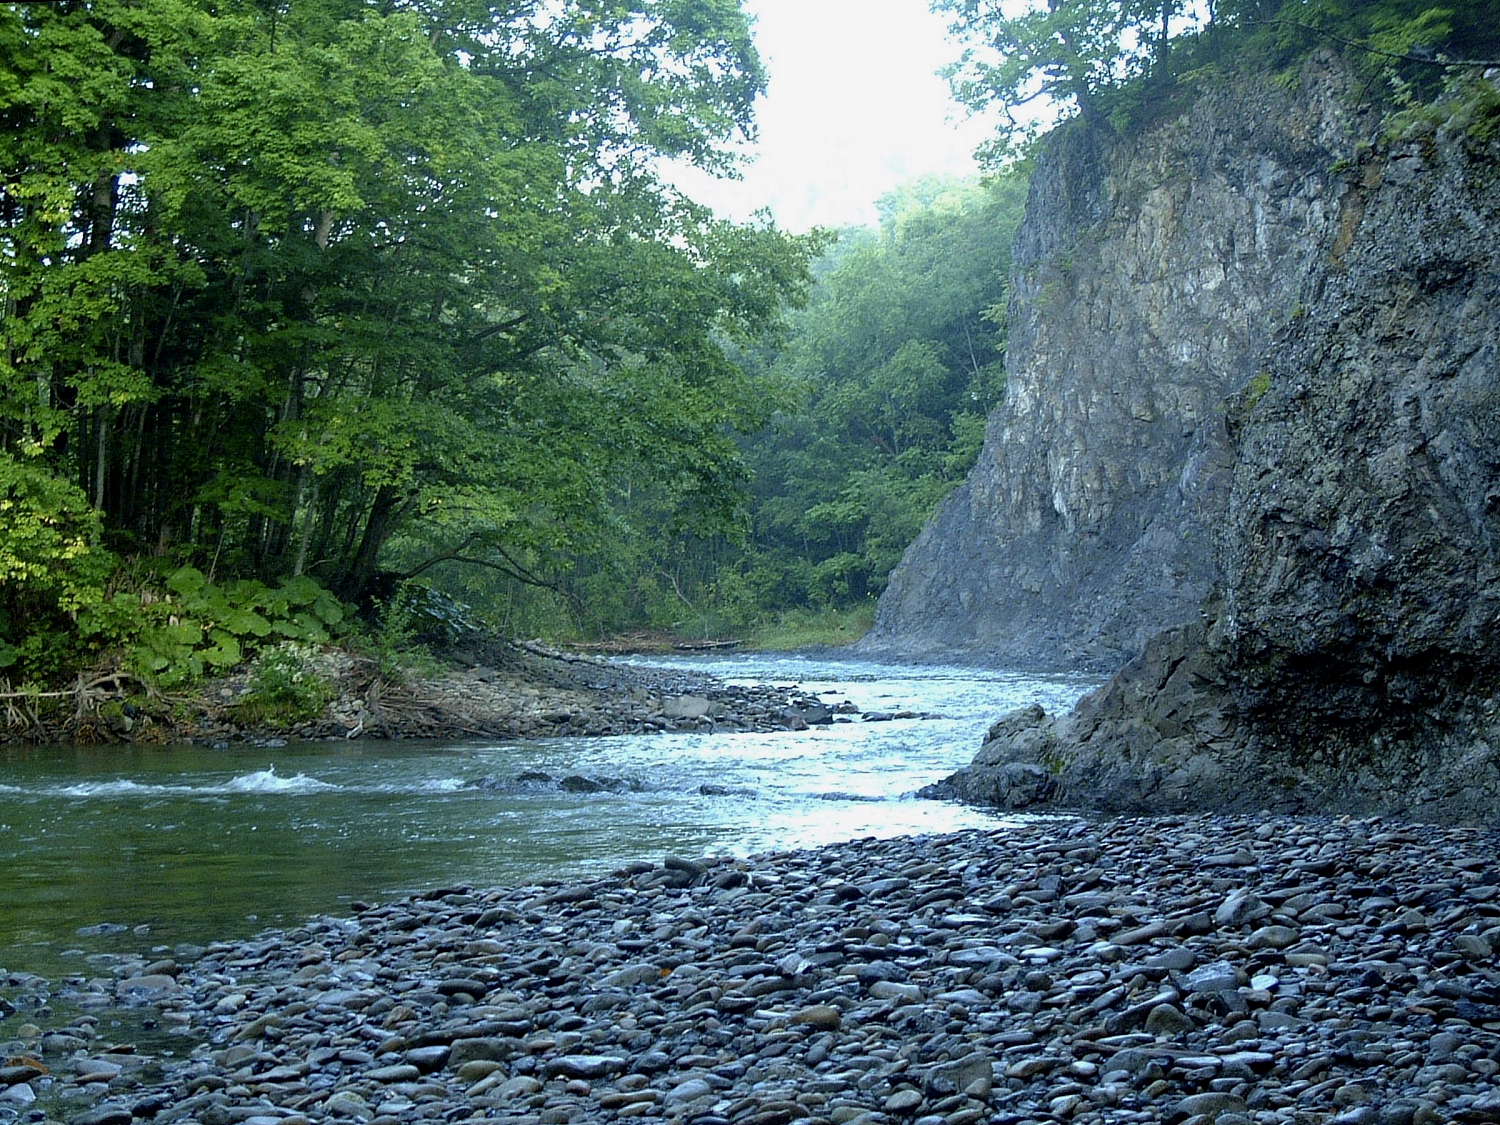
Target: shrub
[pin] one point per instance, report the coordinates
(415, 614)
(200, 626)
(285, 686)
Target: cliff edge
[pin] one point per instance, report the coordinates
(1149, 273)
(1345, 653)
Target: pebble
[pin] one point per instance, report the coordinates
(903, 1101)
(401, 1073)
(1212, 1105)
(1272, 937)
(586, 1066)
(1220, 976)
(820, 1015)
(1061, 971)
(1165, 1020)
(1240, 907)
(691, 1090)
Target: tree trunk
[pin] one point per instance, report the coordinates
(304, 534)
(379, 525)
(1162, 43)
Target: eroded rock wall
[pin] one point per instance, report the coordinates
(1148, 276)
(1348, 655)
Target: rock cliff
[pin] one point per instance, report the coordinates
(1346, 653)
(1148, 275)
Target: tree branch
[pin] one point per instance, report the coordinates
(1358, 46)
(446, 556)
(507, 566)
(503, 326)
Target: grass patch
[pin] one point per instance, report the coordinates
(285, 688)
(812, 628)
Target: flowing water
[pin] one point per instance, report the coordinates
(132, 848)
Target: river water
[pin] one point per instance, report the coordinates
(130, 849)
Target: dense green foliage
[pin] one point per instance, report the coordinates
(285, 687)
(1122, 61)
(171, 629)
(883, 386)
(899, 355)
(280, 284)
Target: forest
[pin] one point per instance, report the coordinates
(880, 384)
(282, 283)
(303, 302)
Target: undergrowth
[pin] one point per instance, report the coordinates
(286, 687)
(826, 627)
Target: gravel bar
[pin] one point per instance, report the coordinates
(1183, 969)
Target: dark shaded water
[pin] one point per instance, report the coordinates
(187, 844)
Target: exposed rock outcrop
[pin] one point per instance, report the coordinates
(1148, 275)
(1348, 655)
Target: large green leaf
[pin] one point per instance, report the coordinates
(301, 590)
(328, 610)
(187, 581)
(226, 650)
(245, 622)
(184, 634)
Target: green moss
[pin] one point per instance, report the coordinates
(1257, 388)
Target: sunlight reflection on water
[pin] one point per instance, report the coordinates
(185, 843)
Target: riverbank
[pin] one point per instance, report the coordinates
(496, 689)
(1179, 969)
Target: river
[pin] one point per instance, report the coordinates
(132, 849)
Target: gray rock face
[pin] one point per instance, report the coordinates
(1148, 275)
(1347, 656)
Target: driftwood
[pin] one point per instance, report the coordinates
(643, 643)
(22, 716)
(91, 689)
(537, 648)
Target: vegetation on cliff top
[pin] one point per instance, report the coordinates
(1121, 62)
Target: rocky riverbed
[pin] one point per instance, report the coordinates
(486, 689)
(530, 691)
(1194, 970)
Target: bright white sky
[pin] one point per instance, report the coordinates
(855, 108)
